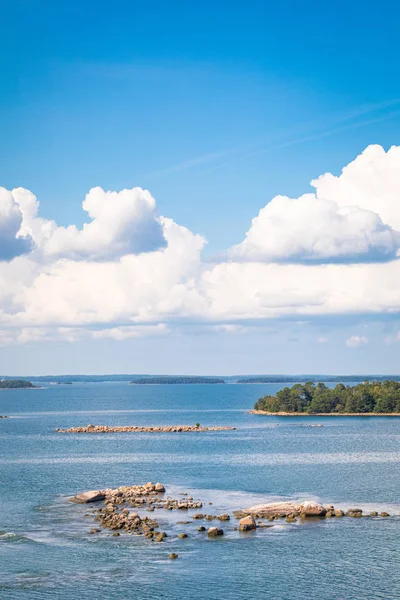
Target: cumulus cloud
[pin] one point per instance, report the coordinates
(371, 181)
(310, 229)
(121, 223)
(355, 341)
(13, 242)
(129, 272)
(350, 218)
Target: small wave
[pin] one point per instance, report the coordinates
(9, 536)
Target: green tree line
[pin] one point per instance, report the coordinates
(15, 383)
(368, 397)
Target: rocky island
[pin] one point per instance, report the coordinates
(122, 511)
(143, 429)
(372, 398)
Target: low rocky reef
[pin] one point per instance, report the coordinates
(142, 429)
(292, 510)
(119, 513)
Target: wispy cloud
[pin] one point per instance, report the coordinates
(313, 130)
(309, 138)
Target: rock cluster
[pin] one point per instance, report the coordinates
(116, 515)
(142, 429)
(120, 507)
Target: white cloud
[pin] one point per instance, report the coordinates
(310, 229)
(371, 181)
(121, 223)
(125, 333)
(12, 241)
(130, 273)
(322, 340)
(355, 341)
(351, 218)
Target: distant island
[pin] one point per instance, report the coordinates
(228, 379)
(315, 378)
(176, 380)
(9, 384)
(376, 397)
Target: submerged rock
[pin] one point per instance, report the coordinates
(355, 513)
(291, 519)
(173, 556)
(215, 532)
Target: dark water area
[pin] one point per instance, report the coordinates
(45, 549)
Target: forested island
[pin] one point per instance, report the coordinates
(177, 380)
(8, 384)
(370, 397)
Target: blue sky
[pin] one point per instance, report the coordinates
(215, 108)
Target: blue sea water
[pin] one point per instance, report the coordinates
(45, 549)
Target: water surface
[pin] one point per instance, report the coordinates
(45, 550)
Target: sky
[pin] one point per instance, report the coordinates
(205, 188)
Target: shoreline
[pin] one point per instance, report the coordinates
(303, 414)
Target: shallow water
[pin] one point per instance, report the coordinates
(45, 551)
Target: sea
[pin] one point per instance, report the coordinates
(47, 552)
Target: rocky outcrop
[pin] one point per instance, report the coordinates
(247, 523)
(283, 509)
(142, 429)
(87, 497)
